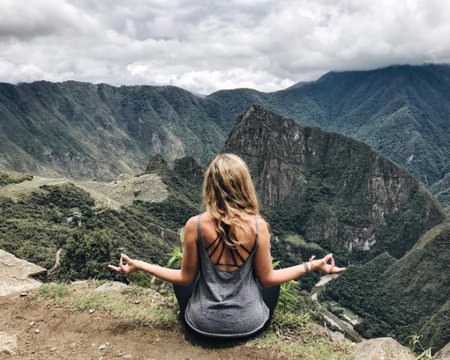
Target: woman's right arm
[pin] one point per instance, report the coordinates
(263, 263)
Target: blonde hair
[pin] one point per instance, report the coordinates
(230, 196)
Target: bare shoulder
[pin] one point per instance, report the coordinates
(264, 230)
(262, 224)
(192, 221)
(190, 229)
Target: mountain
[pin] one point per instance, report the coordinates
(85, 131)
(401, 111)
(321, 191)
(402, 297)
(96, 132)
(331, 189)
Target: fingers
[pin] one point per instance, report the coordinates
(126, 257)
(312, 257)
(337, 269)
(122, 266)
(115, 268)
(332, 262)
(326, 258)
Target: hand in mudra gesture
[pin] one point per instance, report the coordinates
(131, 265)
(323, 266)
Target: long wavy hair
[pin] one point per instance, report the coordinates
(230, 196)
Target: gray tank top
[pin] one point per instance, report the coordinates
(226, 303)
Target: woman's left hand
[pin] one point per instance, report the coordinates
(323, 266)
(131, 265)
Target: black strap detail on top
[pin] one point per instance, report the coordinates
(223, 247)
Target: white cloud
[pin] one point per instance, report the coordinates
(205, 46)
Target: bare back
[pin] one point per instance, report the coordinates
(222, 256)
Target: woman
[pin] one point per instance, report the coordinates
(226, 286)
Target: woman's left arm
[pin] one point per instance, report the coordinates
(189, 265)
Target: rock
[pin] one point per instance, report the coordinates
(8, 343)
(91, 311)
(337, 336)
(112, 286)
(14, 274)
(37, 331)
(443, 354)
(104, 346)
(384, 348)
(124, 177)
(124, 355)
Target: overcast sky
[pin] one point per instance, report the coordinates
(204, 46)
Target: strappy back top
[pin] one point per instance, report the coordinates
(220, 243)
(226, 303)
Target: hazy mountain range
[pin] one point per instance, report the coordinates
(402, 111)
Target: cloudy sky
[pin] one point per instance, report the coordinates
(204, 46)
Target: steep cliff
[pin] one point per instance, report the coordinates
(329, 188)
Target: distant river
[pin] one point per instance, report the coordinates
(345, 326)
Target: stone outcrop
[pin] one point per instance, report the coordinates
(8, 344)
(384, 348)
(443, 354)
(14, 274)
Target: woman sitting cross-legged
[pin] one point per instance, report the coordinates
(226, 286)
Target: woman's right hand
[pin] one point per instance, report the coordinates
(322, 265)
(131, 265)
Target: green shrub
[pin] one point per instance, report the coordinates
(87, 255)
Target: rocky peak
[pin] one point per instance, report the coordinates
(293, 163)
(189, 169)
(156, 164)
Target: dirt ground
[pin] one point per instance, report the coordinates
(71, 334)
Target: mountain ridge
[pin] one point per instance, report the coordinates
(290, 162)
(68, 128)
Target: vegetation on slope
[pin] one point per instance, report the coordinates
(33, 225)
(441, 190)
(11, 177)
(401, 297)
